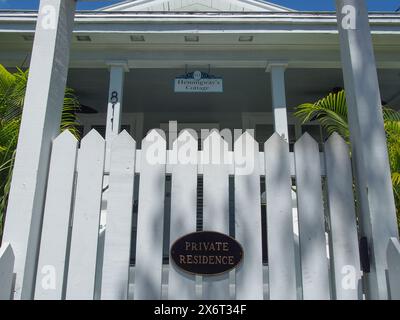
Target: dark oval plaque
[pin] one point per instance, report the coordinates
(206, 253)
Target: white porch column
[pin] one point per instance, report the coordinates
(277, 70)
(114, 109)
(40, 124)
(370, 158)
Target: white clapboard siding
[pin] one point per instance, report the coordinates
(281, 245)
(86, 218)
(345, 258)
(7, 259)
(115, 272)
(393, 258)
(56, 220)
(182, 285)
(248, 228)
(314, 263)
(216, 205)
(150, 223)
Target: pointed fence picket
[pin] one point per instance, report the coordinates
(116, 259)
(393, 255)
(56, 219)
(70, 246)
(249, 276)
(6, 271)
(314, 262)
(86, 218)
(182, 285)
(216, 205)
(281, 245)
(345, 257)
(150, 223)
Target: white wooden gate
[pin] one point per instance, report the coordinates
(72, 264)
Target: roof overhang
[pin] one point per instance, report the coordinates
(100, 21)
(304, 39)
(195, 5)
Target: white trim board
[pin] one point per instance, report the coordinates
(196, 5)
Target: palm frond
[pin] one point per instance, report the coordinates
(330, 112)
(390, 115)
(12, 97)
(396, 179)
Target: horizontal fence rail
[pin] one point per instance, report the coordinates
(70, 251)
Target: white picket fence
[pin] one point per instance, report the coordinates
(6, 271)
(71, 261)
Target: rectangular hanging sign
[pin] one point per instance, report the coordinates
(198, 82)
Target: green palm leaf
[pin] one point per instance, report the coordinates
(12, 97)
(331, 113)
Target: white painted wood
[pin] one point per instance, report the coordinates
(6, 271)
(149, 241)
(39, 126)
(393, 258)
(182, 285)
(56, 220)
(249, 275)
(293, 169)
(345, 257)
(369, 148)
(215, 206)
(196, 5)
(229, 166)
(277, 70)
(115, 273)
(86, 218)
(114, 108)
(281, 243)
(132, 119)
(314, 262)
(100, 255)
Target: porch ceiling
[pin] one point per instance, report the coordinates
(245, 90)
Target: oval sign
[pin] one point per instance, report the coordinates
(206, 253)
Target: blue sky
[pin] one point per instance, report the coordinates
(374, 5)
